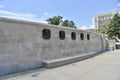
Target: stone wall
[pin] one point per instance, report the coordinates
(22, 46)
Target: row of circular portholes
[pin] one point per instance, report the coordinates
(46, 34)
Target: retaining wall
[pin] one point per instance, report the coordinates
(22, 46)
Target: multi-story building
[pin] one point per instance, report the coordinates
(102, 20)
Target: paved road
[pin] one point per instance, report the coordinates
(103, 67)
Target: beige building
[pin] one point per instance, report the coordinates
(102, 20)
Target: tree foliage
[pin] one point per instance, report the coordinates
(103, 30)
(68, 23)
(57, 20)
(114, 27)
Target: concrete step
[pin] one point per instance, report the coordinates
(63, 61)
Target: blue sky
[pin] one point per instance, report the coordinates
(80, 11)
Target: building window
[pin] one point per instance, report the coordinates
(73, 35)
(82, 36)
(88, 37)
(62, 35)
(46, 33)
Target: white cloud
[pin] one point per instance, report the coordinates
(24, 16)
(92, 27)
(1, 6)
(84, 27)
(118, 4)
(45, 13)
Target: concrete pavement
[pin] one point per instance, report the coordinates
(102, 67)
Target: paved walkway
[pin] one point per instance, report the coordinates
(103, 67)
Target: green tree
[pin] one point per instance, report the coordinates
(114, 27)
(103, 30)
(56, 20)
(68, 23)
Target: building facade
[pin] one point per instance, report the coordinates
(102, 20)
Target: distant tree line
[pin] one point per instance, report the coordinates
(57, 20)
